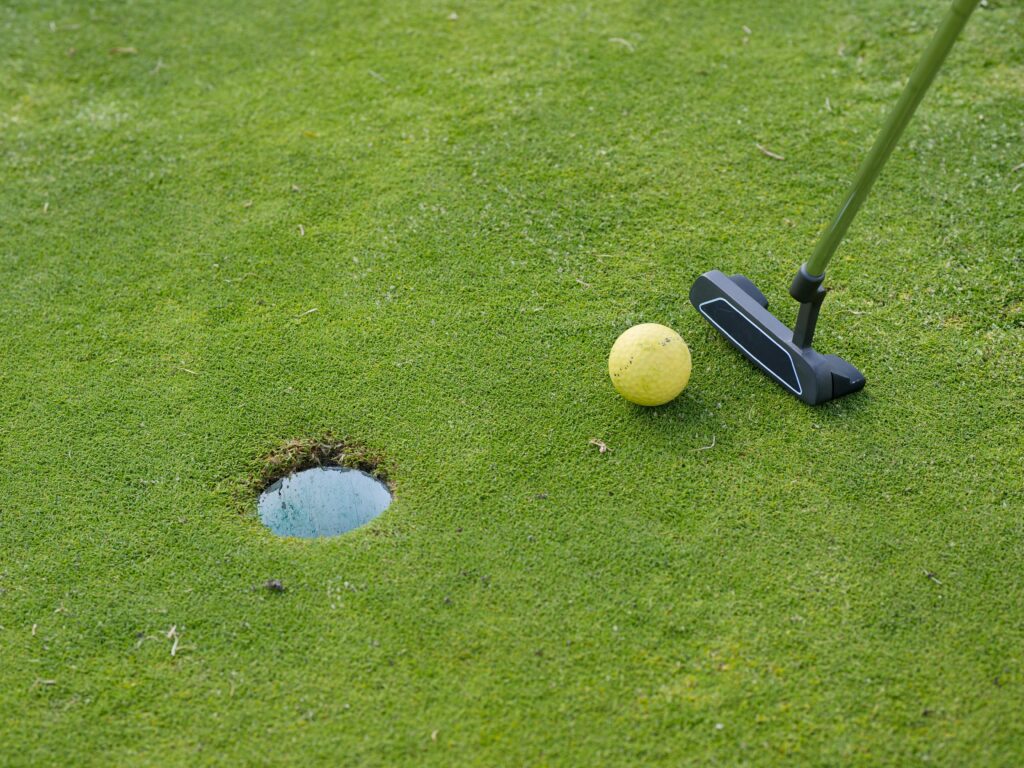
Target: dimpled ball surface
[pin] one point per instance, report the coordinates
(649, 364)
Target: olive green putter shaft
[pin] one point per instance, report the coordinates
(897, 120)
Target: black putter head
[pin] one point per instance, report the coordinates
(739, 311)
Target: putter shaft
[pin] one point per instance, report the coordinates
(920, 79)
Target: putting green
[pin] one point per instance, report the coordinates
(420, 227)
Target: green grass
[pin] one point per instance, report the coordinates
(487, 201)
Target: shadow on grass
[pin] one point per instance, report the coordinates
(686, 421)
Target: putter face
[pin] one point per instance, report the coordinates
(739, 311)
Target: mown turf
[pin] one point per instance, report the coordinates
(476, 199)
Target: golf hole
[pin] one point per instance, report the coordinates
(322, 501)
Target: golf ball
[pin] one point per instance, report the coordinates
(649, 364)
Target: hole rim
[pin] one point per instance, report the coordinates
(297, 454)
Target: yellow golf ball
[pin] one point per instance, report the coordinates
(649, 364)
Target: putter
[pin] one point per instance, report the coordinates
(739, 310)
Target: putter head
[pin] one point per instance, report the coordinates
(739, 311)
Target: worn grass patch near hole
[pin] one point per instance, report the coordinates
(298, 454)
(327, 451)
